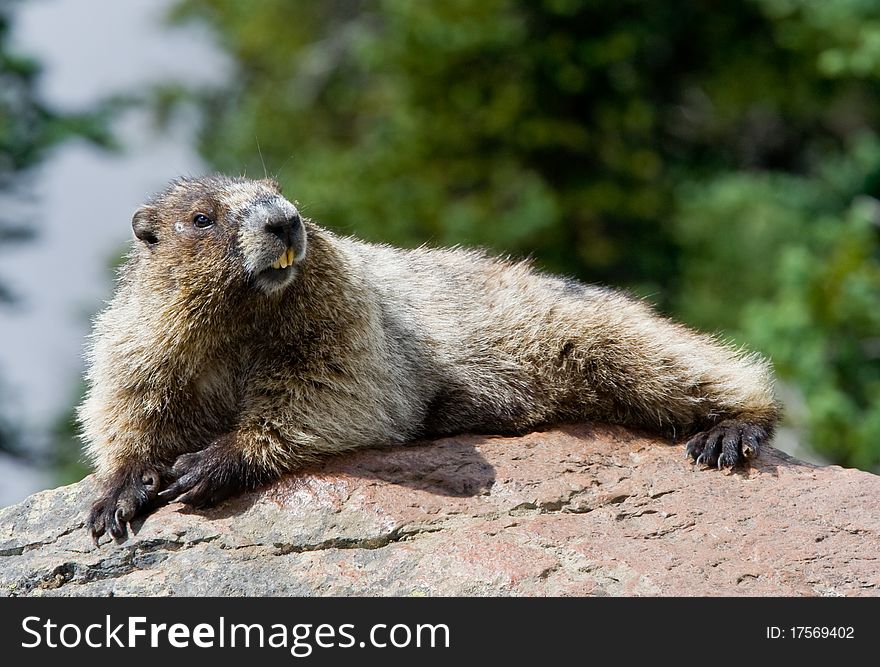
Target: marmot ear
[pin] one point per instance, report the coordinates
(271, 183)
(144, 225)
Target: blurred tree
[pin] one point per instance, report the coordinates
(67, 461)
(715, 155)
(798, 277)
(28, 129)
(790, 262)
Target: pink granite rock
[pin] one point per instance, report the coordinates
(577, 510)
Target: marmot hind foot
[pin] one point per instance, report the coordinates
(727, 444)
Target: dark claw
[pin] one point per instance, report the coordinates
(194, 497)
(177, 488)
(753, 436)
(712, 449)
(96, 523)
(117, 526)
(730, 448)
(695, 446)
(727, 460)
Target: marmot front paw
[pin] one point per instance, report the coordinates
(205, 477)
(727, 444)
(128, 492)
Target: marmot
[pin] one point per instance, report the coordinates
(244, 341)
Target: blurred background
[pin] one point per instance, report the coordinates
(718, 157)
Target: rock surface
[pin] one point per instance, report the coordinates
(580, 510)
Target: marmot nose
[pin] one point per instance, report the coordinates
(284, 227)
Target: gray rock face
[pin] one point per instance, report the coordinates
(580, 510)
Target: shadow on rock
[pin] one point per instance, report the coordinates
(448, 467)
(452, 467)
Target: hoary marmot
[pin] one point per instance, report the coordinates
(244, 341)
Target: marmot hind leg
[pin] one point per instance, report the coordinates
(648, 371)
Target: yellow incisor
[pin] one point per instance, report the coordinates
(285, 260)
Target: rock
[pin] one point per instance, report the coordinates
(577, 510)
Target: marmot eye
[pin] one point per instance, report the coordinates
(201, 220)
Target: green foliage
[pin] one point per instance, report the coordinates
(800, 279)
(846, 33)
(28, 129)
(68, 461)
(715, 155)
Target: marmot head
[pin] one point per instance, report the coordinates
(217, 229)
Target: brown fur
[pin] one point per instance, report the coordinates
(205, 378)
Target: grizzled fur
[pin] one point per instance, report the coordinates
(211, 371)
